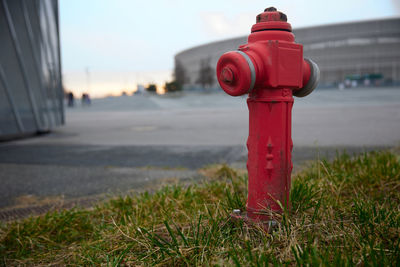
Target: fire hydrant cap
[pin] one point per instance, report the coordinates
(235, 73)
(271, 19)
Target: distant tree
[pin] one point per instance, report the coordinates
(180, 73)
(173, 86)
(206, 73)
(152, 88)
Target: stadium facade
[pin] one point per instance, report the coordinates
(365, 51)
(31, 93)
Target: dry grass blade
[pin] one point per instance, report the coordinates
(344, 212)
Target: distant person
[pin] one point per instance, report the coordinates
(70, 98)
(88, 101)
(85, 99)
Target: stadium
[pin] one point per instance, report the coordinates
(348, 54)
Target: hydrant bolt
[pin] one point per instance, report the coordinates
(227, 75)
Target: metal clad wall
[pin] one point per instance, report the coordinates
(31, 94)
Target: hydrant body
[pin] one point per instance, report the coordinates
(271, 69)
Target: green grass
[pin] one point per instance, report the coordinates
(344, 213)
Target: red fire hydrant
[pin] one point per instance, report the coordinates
(270, 68)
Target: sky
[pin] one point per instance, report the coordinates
(110, 46)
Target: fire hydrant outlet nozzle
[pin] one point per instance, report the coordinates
(236, 73)
(312, 82)
(270, 68)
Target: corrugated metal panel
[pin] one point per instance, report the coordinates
(31, 94)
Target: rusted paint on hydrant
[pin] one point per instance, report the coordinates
(270, 68)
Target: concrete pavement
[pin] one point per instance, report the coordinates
(118, 143)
